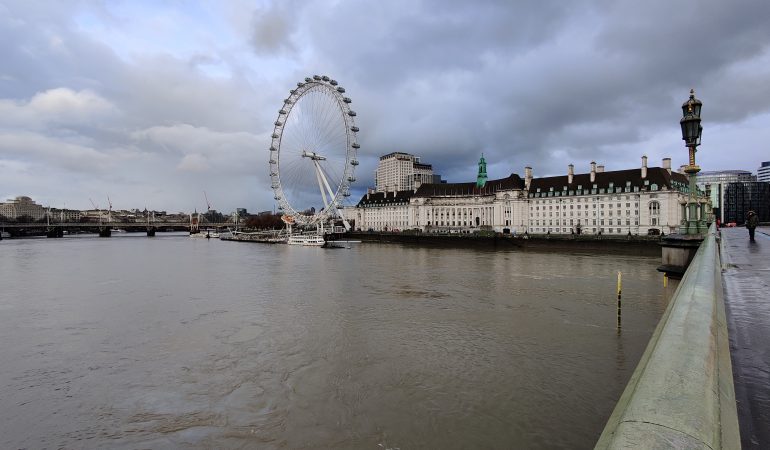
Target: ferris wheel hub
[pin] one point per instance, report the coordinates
(313, 155)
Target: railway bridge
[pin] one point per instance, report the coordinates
(104, 228)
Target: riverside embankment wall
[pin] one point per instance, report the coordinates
(643, 245)
(681, 394)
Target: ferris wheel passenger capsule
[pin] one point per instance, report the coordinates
(341, 89)
(352, 113)
(308, 80)
(325, 78)
(333, 82)
(317, 77)
(354, 129)
(355, 145)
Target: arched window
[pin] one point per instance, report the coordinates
(654, 212)
(654, 208)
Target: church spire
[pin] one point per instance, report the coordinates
(481, 179)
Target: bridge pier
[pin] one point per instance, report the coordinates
(105, 232)
(54, 232)
(678, 251)
(150, 231)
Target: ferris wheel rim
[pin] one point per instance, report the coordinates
(324, 85)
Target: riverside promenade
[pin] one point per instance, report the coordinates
(746, 275)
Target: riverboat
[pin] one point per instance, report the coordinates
(208, 234)
(309, 239)
(259, 236)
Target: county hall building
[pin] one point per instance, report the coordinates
(640, 201)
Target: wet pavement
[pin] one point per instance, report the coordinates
(746, 278)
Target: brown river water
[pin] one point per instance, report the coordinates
(172, 342)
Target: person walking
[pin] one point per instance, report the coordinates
(751, 223)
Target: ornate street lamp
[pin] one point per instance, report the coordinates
(691, 135)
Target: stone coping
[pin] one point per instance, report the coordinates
(681, 394)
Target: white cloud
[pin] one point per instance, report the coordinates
(51, 151)
(62, 106)
(64, 101)
(193, 162)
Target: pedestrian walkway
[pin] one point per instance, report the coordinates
(746, 277)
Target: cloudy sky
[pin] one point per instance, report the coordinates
(151, 103)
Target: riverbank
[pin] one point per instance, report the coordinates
(641, 245)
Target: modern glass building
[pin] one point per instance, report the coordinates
(741, 197)
(763, 173)
(714, 183)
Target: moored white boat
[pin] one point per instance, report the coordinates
(309, 239)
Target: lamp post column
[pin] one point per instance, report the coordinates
(693, 225)
(691, 134)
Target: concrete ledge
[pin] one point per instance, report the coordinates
(681, 394)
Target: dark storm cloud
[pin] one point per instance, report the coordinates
(548, 83)
(542, 84)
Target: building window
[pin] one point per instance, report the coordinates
(654, 208)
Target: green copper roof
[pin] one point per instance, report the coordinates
(481, 179)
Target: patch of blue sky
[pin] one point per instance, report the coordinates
(139, 28)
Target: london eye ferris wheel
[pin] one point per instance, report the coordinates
(313, 153)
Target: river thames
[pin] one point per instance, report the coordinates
(168, 342)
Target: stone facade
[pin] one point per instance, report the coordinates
(636, 201)
(22, 207)
(401, 171)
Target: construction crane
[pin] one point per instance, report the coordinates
(96, 207)
(208, 205)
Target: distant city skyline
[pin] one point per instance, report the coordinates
(151, 104)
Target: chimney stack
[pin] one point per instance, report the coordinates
(600, 169)
(593, 171)
(667, 164)
(644, 166)
(527, 176)
(570, 173)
